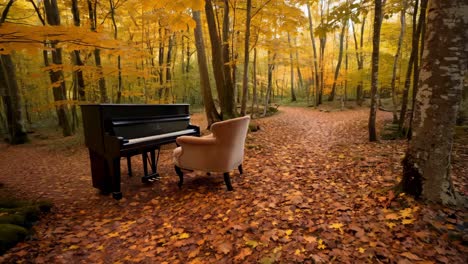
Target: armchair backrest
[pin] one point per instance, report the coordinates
(231, 134)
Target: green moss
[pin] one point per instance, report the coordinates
(10, 235)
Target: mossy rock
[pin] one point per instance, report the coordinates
(15, 219)
(10, 235)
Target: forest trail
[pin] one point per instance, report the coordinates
(313, 189)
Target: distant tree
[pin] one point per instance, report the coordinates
(426, 167)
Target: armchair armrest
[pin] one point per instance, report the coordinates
(188, 140)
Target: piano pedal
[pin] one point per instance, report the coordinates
(150, 178)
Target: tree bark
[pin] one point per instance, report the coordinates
(414, 50)
(97, 52)
(223, 87)
(10, 93)
(271, 68)
(395, 61)
(56, 76)
(210, 108)
(12, 101)
(245, 80)
(316, 72)
(291, 62)
(426, 167)
(254, 92)
(360, 61)
(338, 65)
(375, 69)
(421, 31)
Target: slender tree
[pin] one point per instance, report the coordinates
(316, 71)
(56, 76)
(340, 58)
(426, 167)
(375, 68)
(291, 62)
(396, 59)
(245, 78)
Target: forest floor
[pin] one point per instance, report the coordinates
(313, 190)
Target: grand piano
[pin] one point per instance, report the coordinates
(113, 131)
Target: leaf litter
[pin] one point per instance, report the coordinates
(314, 190)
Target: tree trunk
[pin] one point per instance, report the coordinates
(360, 61)
(10, 93)
(375, 69)
(338, 65)
(254, 92)
(316, 75)
(56, 76)
(119, 67)
(300, 81)
(271, 67)
(426, 167)
(97, 52)
(79, 84)
(210, 109)
(228, 73)
(223, 87)
(291, 62)
(395, 61)
(421, 31)
(245, 80)
(12, 101)
(414, 50)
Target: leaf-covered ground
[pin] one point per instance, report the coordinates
(313, 190)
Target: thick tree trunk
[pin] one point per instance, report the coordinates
(338, 65)
(316, 72)
(56, 77)
(10, 93)
(375, 69)
(426, 167)
(210, 109)
(245, 80)
(223, 86)
(395, 61)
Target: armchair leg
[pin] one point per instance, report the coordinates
(227, 180)
(241, 171)
(181, 176)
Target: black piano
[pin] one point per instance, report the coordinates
(113, 131)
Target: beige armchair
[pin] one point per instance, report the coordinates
(221, 151)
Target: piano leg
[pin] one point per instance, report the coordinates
(144, 157)
(113, 165)
(129, 165)
(153, 161)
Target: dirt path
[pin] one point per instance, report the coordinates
(313, 189)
